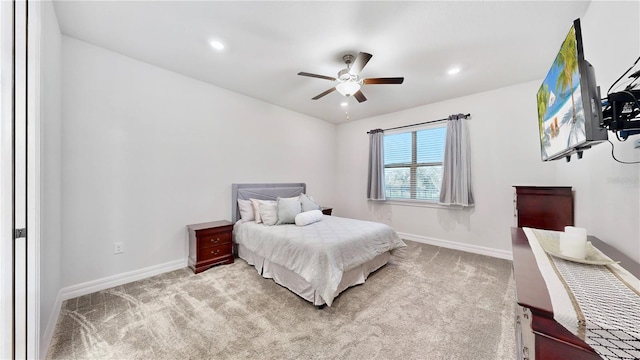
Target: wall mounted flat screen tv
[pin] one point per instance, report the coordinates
(569, 105)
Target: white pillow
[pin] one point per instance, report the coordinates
(288, 208)
(246, 210)
(308, 204)
(256, 209)
(268, 212)
(308, 217)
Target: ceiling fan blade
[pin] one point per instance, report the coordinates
(359, 96)
(393, 80)
(317, 76)
(324, 93)
(359, 63)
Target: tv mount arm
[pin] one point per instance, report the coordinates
(621, 112)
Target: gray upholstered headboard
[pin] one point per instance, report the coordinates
(262, 192)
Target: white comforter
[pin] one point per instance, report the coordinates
(321, 252)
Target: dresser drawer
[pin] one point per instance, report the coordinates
(211, 253)
(213, 239)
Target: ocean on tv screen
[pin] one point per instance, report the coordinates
(563, 130)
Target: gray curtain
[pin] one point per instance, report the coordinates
(375, 181)
(456, 168)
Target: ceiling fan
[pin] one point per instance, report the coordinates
(349, 81)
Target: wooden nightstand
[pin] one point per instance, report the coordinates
(326, 210)
(210, 244)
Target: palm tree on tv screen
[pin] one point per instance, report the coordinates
(543, 102)
(567, 61)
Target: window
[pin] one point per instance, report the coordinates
(413, 164)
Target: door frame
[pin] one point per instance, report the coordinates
(6, 180)
(33, 182)
(33, 179)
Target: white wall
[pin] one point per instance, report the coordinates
(147, 151)
(607, 194)
(504, 152)
(51, 167)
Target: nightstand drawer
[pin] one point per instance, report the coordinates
(214, 239)
(214, 252)
(213, 231)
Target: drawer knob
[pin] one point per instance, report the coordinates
(215, 252)
(216, 240)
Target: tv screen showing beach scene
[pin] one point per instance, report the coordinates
(561, 118)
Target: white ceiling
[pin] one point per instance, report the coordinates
(495, 43)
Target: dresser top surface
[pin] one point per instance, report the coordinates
(208, 225)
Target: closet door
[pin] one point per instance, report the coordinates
(18, 303)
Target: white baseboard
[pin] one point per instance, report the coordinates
(51, 326)
(89, 287)
(501, 254)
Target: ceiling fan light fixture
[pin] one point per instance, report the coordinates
(348, 88)
(349, 80)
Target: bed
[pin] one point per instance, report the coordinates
(318, 261)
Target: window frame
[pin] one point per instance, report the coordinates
(413, 168)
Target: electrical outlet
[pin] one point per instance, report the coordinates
(118, 248)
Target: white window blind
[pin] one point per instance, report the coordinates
(413, 163)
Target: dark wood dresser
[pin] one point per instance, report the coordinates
(210, 244)
(538, 335)
(544, 207)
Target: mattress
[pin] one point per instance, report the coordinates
(320, 253)
(296, 284)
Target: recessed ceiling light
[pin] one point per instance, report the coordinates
(453, 71)
(217, 45)
(344, 103)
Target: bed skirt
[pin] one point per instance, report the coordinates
(299, 286)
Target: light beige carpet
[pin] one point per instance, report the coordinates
(427, 303)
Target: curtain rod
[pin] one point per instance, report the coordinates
(422, 123)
